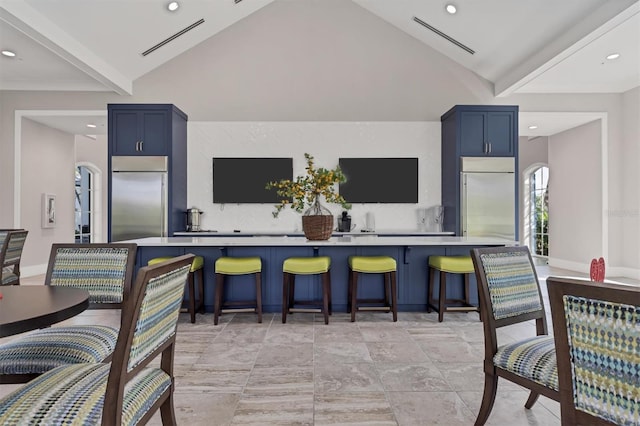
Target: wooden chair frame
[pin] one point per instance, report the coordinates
(491, 324)
(4, 247)
(558, 288)
(118, 375)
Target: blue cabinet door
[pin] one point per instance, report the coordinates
(488, 133)
(473, 130)
(139, 132)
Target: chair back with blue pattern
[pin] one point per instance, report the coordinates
(508, 289)
(597, 336)
(150, 318)
(104, 270)
(10, 255)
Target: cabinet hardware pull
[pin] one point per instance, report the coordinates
(141, 145)
(489, 147)
(137, 146)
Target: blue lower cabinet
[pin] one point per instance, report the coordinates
(412, 274)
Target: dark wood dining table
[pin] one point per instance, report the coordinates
(29, 307)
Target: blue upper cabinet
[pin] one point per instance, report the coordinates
(146, 129)
(485, 130)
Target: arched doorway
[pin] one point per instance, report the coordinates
(536, 210)
(87, 207)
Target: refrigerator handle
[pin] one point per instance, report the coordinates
(463, 204)
(164, 226)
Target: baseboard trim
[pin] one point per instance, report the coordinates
(615, 271)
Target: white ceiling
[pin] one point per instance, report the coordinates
(525, 46)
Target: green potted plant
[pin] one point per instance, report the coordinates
(306, 190)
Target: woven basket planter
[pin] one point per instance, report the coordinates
(317, 227)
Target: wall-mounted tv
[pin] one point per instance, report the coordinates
(243, 180)
(380, 180)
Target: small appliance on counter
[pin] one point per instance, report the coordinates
(344, 222)
(193, 219)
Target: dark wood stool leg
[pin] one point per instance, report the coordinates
(192, 297)
(354, 295)
(330, 299)
(350, 291)
(217, 303)
(292, 290)
(259, 296)
(387, 283)
(443, 295)
(201, 289)
(325, 296)
(430, 301)
(285, 296)
(394, 297)
(466, 289)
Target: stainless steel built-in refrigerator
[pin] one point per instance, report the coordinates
(138, 197)
(488, 191)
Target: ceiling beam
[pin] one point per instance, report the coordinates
(608, 16)
(36, 26)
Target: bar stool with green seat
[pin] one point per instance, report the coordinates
(237, 266)
(196, 266)
(373, 265)
(293, 266)
(450, 265)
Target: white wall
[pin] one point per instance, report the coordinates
(629, 216)
(575, 197)
(47, 167)
(326, 141)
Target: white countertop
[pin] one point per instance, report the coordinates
(206, 233)
(348, 240)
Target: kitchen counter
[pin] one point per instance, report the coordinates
(411, 253)
(345, 240)
(213, 233)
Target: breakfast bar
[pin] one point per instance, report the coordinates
(410, 251)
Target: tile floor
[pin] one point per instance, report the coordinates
(371, 372)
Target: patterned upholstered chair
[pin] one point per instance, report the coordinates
(597, 333)
(11, 245)
(128, 390)
(106, 271)
(510, 294)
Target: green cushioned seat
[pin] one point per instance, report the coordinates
(198, 262)
(238, 265)
(453, 264)
(306, 265)
(372, 264)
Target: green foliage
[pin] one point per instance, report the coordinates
(305, 190)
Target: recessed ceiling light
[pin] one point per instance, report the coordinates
(451, 8)
(173, 6)
(93, 126)
(8, 53)
(613, 56)
(533, 127)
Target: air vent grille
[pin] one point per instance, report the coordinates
(173, 37)
(443, 35)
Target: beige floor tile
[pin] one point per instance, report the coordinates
(430, 408)
(412, 377)
(295, 379)
(196, 409)
(341, 353)
(509, 409)
(340, 378)
(358, 408)
(275, 355)
(396, 352)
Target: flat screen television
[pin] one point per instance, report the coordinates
(380, 180)
(243, 180)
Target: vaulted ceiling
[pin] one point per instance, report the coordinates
(526, 46)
